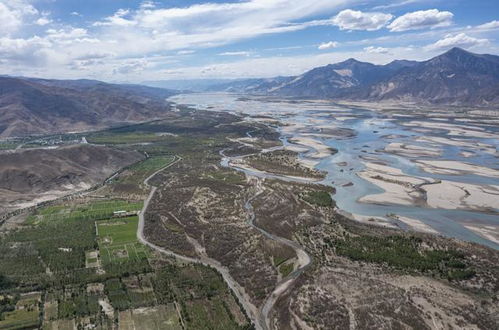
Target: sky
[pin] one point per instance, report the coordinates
(136, 41)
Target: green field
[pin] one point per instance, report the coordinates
(89, 268)
(125, 138)
(89, 211)
(117, 240)
(130, 181)
(8, 145)
(24, 316)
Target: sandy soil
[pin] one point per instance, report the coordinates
(242, 165)
(455, 168)
(409, 150)
(321, 149)
(458, 195)
(20, 201)
(378, 221)
(398, 187)
(453, 129)
(489, 232)
(487, 148)
(401, 189)
(417, 225)
(295, 148)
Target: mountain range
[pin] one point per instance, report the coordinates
(456, 77)
(31, 106)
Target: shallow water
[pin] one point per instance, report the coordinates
(371, 129)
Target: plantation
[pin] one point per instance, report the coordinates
(404, 253)
(79, 255)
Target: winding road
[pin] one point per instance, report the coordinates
(241, 295)
(260, 317)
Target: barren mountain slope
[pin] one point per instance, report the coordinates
(29, 106)
(27, 176)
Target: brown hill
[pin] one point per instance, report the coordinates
(33, 106)
(30, 176)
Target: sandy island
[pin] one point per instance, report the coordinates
(455, 168)
(398, 188)
(410, 151)
(401, 189)
(321, 149)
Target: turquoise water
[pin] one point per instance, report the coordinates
(371, 129)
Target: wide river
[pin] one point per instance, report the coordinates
(363, 134)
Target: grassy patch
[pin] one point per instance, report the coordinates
(286, 269)
(279, 260)
(8, 145)
(320, 198)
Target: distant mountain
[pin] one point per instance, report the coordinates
(455, 77)
(38, 106)
(193, 85)
(323, 82)
(250, 86)
(331, 80)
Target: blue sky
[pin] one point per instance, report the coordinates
(134, 41)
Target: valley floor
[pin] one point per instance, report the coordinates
(218, 227)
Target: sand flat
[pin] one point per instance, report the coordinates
(490, 232)
(456, 167)
(398, 188)
(458, 195)
(454, 129)
(409, 150)
(321, 149)
(417, 225)
(487, 148)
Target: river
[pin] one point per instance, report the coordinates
(364, 133)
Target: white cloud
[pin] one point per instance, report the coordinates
(212, 24)
(399, 4)
(118, 19)
(285, 65)
(43, 21)
(69, 33)
(458, 40)
(492, 25)
(235, 54)
(421, 19)
(132, 66)
(185, 52)
(328, 45)
(12, 15)
(356, 20)
(376, 50)
(23, 50)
